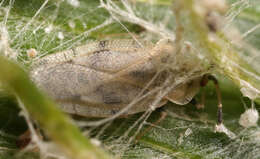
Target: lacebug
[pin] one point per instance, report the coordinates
(101, 78)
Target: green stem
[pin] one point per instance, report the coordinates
(57, 125)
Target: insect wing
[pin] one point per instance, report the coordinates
(184, 93)
(94, 80)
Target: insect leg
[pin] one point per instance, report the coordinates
(201, 103)
(194, 102)
(202, 100)
(162, 117)
(24, 139)
(215, 81)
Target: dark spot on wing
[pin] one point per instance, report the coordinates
(101, 51)
(76, 97)
(102, 44)
(70, 61)
(138, 74)
(109, 95)
(99, 57)
(113, 111)
(72, 99)
(111, 98)
(141, 75)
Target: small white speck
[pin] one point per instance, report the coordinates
(74, 3)
(180, 139)
(71, 24)
(95, 142)
(31, 53)
(84, 25)
(188, 132)
(222, 129)
(212, 37)
(152, 107)
(60, 36)
(48, 29)
(249, 118)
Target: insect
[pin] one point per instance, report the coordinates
(101, 78)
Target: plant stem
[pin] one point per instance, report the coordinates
(57, 125)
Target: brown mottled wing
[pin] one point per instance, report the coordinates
(95, 79)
